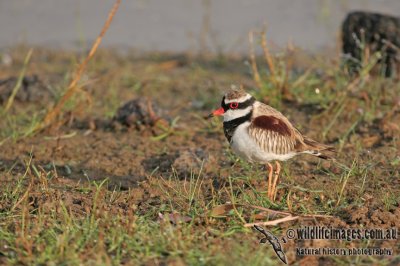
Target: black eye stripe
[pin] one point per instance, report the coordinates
(242, 105)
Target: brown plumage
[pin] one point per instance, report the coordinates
(235, 94)
(274, 133)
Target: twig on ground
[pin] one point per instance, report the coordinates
(288, 217)
(274, 222)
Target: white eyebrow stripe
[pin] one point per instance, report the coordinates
(239, 100)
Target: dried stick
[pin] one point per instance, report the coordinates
(274, 222)
(267, 55)
(51, 114)
(256, 75)
(269, 210)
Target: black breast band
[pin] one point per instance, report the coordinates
(230, 126)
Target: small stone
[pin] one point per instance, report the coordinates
(32, 89)
(139, 112)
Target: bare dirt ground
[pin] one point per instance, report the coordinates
(183, 168)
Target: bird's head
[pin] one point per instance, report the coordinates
(235, 104)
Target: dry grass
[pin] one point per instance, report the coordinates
(73, 86)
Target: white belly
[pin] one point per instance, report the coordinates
(246, 148)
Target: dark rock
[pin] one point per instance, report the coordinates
(32, 89)
(138, 112)
(379, 32)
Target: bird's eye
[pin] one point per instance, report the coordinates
(233, 105)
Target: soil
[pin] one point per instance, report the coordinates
(97, 143)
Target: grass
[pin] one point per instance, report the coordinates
(61, 202)
(106, 232)
(110, 228)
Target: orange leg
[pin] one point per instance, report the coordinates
(271, 172)
(276, 177)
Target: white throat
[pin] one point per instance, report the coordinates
(236, 113)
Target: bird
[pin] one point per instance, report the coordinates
(258, 133)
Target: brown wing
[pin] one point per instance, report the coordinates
(272, 123)
(274, 134)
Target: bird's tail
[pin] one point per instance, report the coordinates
(318, 149)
